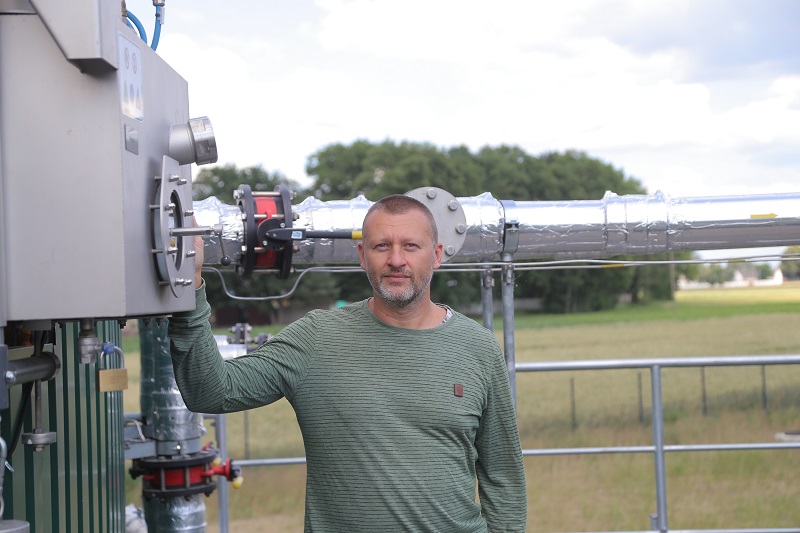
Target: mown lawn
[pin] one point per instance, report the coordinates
(708, 490)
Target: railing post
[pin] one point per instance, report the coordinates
(703, 390)
(487, 299)
(658, 444)
(508, 327)
(641, 397)
(221, 436)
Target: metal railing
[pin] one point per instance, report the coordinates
(659, 449)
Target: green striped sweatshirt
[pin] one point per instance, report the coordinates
(398, 424)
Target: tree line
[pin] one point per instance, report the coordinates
(340, 171)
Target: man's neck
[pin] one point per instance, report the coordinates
(419, 314)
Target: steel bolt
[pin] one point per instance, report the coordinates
(431, 193)
(460, 229)
(452, 205)
(450, 250)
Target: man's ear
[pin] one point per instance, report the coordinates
(438, 255)
(361, 254)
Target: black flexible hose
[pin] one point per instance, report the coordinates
(26, 400)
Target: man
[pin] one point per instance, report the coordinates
(403, 404)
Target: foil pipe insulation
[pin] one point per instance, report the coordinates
(176, 515)
(213, 211)
(499, 229)
(656, 223)
(313, 214)
(167, 420)
(484, 234)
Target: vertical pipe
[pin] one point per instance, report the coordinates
(703, 390)
(246, 435)
(37, 406)
(487, 300)
(221, 436)
(673, 288)
(764, 403)
(658, 442)
(508, 327)
(572, 403)
(176, 431)
(641, 397)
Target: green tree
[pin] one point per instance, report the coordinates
(508, 172)
(572, 175)
(654, 282)
(791, 268)
(764, 270)
(377, 170)
(715, 274)
(314, 290)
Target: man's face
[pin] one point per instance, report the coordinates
(399, 256)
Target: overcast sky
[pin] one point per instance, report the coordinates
(691, 97)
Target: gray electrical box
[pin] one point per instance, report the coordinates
(88, 191)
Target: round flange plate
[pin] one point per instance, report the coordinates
(451, 221)
(170, 251)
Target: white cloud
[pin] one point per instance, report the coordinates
(773, 118)
(541, 75)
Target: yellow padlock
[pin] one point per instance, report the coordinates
(111, 379)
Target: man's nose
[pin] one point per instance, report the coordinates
(397, 257)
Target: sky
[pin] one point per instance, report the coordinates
(690, 97)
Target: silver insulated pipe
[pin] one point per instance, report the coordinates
(482, 228)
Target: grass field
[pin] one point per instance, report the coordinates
(707, 490)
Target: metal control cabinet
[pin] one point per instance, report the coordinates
(82, 155)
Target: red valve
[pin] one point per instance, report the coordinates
(227, 470)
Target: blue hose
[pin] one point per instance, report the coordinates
(157, 30)
(142, 33)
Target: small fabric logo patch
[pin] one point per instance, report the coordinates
(458, 390)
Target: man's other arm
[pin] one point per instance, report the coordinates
(500, 469)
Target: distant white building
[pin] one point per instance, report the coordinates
(743, 276)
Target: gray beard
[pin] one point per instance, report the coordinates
(399, 300)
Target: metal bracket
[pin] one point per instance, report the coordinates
(510, 228)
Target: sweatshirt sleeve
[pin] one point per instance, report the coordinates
(500, 469)
(210, 384)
